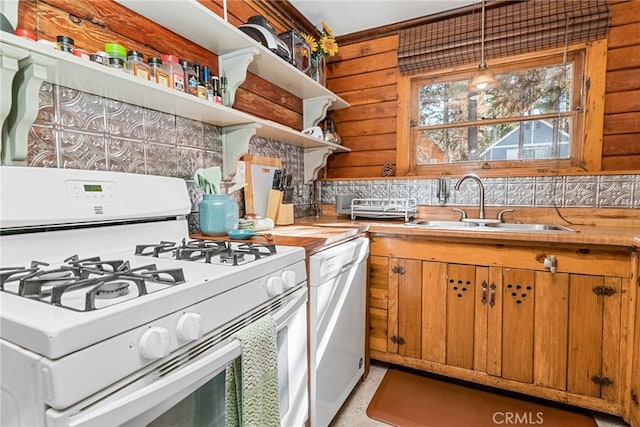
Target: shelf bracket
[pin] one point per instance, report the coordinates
(9, 66)
(235, 143)
(25, 100)
(314, 160)
(234, 66)
(315, 109)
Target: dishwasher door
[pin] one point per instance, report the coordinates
(337, 289)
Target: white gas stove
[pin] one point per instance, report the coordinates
(99, 280)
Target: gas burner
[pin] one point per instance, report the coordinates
(95, 278)
(112, 290)
(231, 257)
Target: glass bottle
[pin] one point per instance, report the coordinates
(190, 78)
(215, 83)
(203, 84)
(226, 101)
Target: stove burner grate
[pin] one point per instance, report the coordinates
(220, 252)
(103, 279)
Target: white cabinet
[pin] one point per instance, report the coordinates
(237, 54)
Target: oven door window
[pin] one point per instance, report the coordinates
(204, 407)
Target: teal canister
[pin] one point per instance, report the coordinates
(218, 214)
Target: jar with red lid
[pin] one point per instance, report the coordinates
(172, 67)
(81, 53)
(24, 33)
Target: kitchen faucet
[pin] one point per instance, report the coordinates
(480, 187)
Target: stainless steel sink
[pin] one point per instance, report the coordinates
(529, 227)
(488, 227)
(443, 224)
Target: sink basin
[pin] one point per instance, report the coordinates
(443, 224)
(481, 226)
(529, 227)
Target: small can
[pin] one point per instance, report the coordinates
(100, 57)
(65, 44)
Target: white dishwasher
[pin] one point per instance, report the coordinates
(337, 289)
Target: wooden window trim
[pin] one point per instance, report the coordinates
(588, 157)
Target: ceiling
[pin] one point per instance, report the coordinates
(350, 16)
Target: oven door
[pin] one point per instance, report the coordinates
(194, 395)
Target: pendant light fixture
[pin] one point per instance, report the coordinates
(483, 79)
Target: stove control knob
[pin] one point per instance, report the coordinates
(275, 286)
(289, 279)
(154, 343)
(190, 327)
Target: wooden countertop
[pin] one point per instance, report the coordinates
(318, 233)
(308, 236)
(628, 236)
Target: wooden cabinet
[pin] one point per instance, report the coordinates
(494, 314)
(633, 403)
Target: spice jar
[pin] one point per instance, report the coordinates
(65, 44)
(174, 70)
(116, 63)
(190, 79)
(158, 73)
(114, 50)
(136, 65)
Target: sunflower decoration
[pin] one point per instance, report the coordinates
(325, 45)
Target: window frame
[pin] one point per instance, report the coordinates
(587, 122)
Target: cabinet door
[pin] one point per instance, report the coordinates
(378, 297)
(404, 307)
(460, 282)
(527, 326)
(594, 336)
(449, 305)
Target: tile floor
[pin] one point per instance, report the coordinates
(353, 413)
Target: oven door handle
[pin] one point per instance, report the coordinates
(124, 409)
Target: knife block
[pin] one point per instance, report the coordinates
(273, 204)
(285, 214)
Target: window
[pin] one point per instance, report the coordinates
(533, 120)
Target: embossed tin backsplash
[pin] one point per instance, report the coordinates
(78, 130)
(595, 191)
(83, 131)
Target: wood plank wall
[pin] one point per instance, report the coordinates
(621, 140)
(365, 74)
(91, 23)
